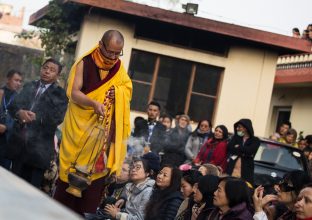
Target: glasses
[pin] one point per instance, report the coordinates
(285, 186)
(108, 53)
(136, 167)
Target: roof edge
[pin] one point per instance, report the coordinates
(182, 19)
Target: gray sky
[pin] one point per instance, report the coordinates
(278, 16)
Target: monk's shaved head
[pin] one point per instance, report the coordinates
(113, 36)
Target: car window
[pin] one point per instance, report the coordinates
(279, 155)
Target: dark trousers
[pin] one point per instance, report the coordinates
(33, 175)
(91, 197)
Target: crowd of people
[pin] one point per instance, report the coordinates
(288, 135)
(217, 169)
(306, 33)
(169, 172)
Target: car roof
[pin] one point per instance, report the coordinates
(270, 141)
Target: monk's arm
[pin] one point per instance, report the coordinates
(79, 97)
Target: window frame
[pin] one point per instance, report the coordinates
(190, 91)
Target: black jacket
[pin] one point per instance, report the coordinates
(246, 151)
(157, 138)
(33, 143)
(7, 97)
(168, 208)
(175, 146)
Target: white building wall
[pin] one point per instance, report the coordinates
(247, 82)
(247, 88)
(300, 101)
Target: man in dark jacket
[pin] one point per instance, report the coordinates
(156, 131)
(241, 150)
(7, 95)
(38, 109)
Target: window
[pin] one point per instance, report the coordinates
(141, 71)
(204, 91)
(172, 84)
(178, 85)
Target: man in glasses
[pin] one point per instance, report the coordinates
(99, 91)
(37, 111)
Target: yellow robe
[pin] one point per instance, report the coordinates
(79, 121)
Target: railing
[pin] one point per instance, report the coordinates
(295, 61)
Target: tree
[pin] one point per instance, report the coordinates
(54, 29)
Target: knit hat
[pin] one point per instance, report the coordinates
(225, 131)
(153, 161)
(207, 185)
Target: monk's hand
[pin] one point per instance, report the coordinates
(98, 108)
(111, 92)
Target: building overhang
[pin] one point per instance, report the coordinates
(293, 76)
(280, 43)
(294, 70)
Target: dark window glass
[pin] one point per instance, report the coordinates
(139, 96)
(172, 84)
(206, 79)
(142, 66)
(281, 156)
(182, 36)
(201, 107)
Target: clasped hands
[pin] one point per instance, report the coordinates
(99, 107)
(112, 210)
(26, 116)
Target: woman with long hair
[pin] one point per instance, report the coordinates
(203, 197)
(189, 179)
(166, 197)
(232, 200)
(214, 150)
